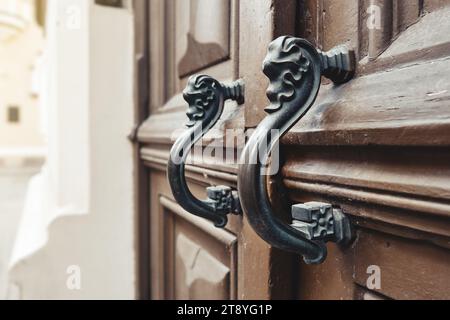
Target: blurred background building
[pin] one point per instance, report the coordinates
(21, 39)
(22, 141)
(66, 107)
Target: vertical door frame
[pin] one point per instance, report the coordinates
(268, 19)
(141, 98)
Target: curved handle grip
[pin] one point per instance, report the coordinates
(294, 68)
(206, 97)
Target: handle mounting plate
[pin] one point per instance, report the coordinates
(321, 222)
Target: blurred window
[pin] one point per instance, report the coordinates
(13, 114)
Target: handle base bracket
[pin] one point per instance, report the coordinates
(224, 199)
(321, 222)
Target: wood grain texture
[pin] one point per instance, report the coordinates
(406, 188)
(198, 273)
(409, 270)
(426, 39)
(176, 273)
(405, 106)
(262, 21)
(332, 280)
(156, 135)
(388, 127)
(141, 183)
(432, 5)
(203, 34)
(170, 277)
(161, 48)
(338, 26)
(204, 257)
(377, 147)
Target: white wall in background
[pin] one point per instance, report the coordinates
(89, 251)
(22, 149)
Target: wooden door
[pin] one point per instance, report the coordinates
(377, 147)
(188, 258)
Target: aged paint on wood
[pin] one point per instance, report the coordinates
(377, 147)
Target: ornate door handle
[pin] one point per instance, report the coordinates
(206, 98)
(294, 68)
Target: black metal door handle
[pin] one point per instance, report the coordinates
(294, 68)
(206, 97)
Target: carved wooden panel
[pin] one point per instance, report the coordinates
(378, 148)
(200, 259)
(370, 26)
(202, 34)
(198, 274)
(188, 37)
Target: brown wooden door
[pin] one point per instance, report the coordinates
(377, 147)
(188, 257)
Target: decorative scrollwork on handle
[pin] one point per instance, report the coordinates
(206, 98)
(294, 68)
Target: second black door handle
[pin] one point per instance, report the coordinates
(294, 68)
